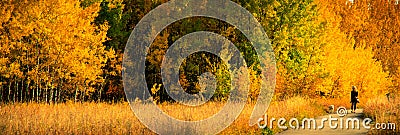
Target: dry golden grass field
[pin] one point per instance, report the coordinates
(383, 111)
(104, 118)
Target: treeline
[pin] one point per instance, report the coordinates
(53, 51)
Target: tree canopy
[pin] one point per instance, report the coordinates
(52, 51)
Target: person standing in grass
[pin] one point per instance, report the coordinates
(354, 99)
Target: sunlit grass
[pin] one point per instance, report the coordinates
(384, 111)
(295, 107)
(69, 118)
(103, 118)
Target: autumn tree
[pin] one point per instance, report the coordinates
(346, 62)
(294, 33)
(53, 47)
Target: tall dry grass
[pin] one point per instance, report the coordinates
(69, 118)
(295, 107)
(382, 110)
(103, 118)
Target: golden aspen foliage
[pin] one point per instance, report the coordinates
(347, 64)
(53, 43)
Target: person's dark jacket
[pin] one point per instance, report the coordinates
(354, 96)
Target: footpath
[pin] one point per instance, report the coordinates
(330, 131)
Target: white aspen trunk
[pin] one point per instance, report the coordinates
(33, 94)
(59, 95)
(59, 92)
(76, 92)
(1, 89)
(27, 92)
(15, 92)
(51, 92)
(83, 93)
(22, 91)
(27, 85)
(101, 89)
(46, 83)
(37, 75)
(37, 90)
(40, 95)
(46, 93)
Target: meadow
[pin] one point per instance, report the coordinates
(117, 118)
(62, 62)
